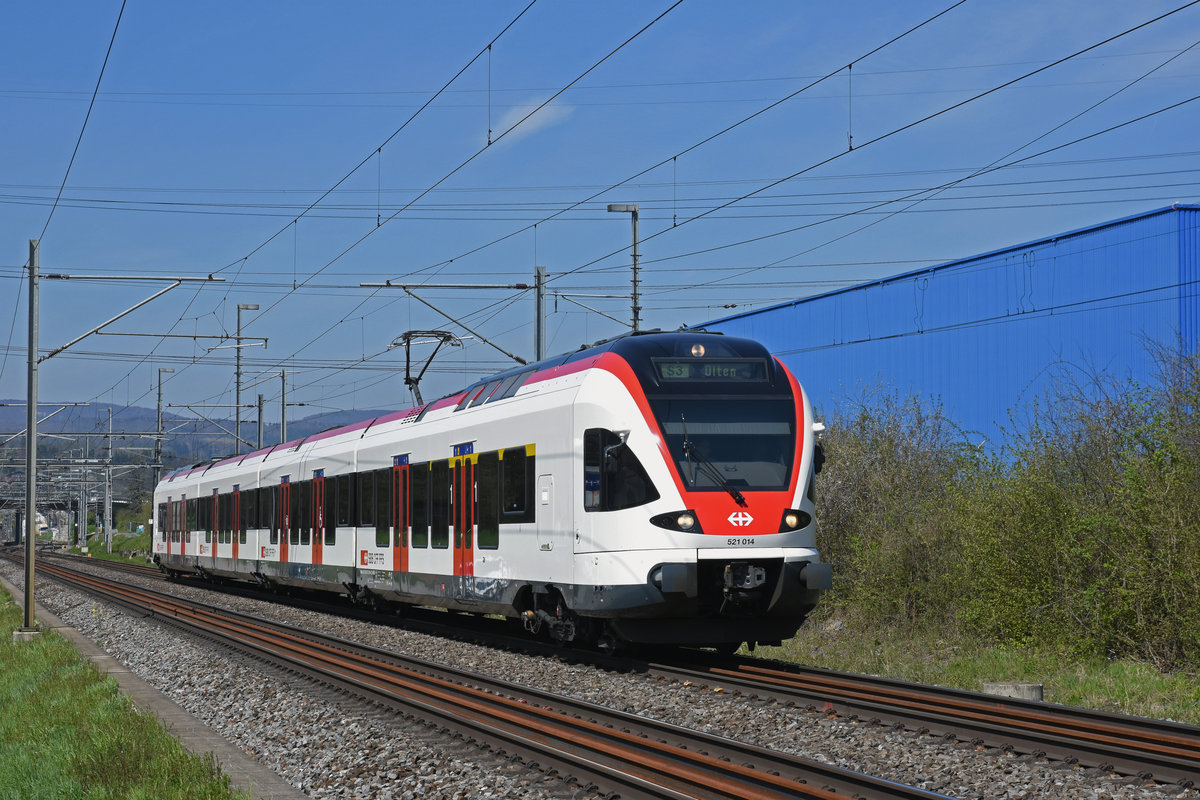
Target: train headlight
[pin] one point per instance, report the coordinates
(794, 520)
(698, 350)
(684, 521)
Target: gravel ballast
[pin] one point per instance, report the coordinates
(330, 747)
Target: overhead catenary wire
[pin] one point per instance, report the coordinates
(467, 162)
(67, 174)
(744, 205)
(395, 133)
(908, 126)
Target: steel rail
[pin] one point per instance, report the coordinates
(1168, 752)
(626, 752)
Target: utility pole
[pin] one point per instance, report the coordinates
(631, 208)
(158, 439)
(31, 428)
(108, 526)
(237, 402)
(283, 406)
(260, 423)
(30, 628)
(539, 314)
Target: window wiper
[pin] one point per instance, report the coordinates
(708, 468)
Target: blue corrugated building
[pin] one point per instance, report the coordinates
(987, 334)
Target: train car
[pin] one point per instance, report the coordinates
(654, 488)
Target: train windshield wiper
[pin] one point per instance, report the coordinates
(707, 467)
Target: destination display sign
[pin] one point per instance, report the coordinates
(711, 370)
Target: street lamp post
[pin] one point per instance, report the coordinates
(237, 402)
(632, 209)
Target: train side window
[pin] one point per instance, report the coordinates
(487, 502)
(613, 477)
(516, 486)
(383, 506)
(161, 521)
(333, 495)
(345, 499)
(439, 501)
(204, 515)
(249, 513)
(366, 500)
(420, 504)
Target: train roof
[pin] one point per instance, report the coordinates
(633, 346)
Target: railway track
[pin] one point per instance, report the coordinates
(619, 753)
(1157, 750)
(1166, 752)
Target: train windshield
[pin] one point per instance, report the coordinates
(719, 443)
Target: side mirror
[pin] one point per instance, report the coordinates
(612, 456)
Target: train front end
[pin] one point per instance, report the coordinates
(698, 464)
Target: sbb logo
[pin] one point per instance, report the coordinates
(740, 519)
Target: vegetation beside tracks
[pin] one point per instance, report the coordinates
(1069, 557)
(67, 732)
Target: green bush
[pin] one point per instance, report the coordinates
(886, 504)
(1083, 535)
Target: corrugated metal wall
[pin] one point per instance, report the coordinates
(989, 333)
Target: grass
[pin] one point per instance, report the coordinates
(121, 543)
(67, 732)
(959, 660)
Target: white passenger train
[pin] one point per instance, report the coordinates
(654, 488)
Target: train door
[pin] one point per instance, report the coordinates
(318, 515)
(235, 520)
(285, 518)
(400, 513)
(463, 502)
(213, 531)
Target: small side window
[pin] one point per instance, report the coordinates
(420, 504)
(516, 486)
(439, 501)
(487, 503)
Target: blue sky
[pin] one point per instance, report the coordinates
(217, 125)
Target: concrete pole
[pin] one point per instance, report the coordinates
(237, 377)
(108, 523)
(158, 439)
(31, 436)
(637, 294)
(636, 307)
(260, 423)
(283, 406)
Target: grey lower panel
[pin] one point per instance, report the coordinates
(322, 577)
(680, 603)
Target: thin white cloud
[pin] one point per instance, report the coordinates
(551, 115)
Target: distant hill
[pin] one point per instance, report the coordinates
(183, 448)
